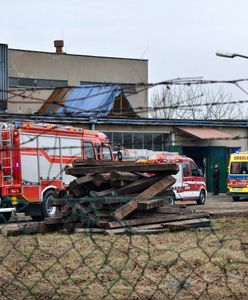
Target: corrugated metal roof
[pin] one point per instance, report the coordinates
(206, 133)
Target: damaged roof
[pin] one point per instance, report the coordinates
(88, 100)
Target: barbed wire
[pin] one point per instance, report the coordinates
(179, 81)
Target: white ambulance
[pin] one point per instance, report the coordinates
(190, 183)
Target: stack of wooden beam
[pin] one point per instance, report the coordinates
(111, 195)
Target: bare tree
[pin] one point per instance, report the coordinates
(193, 102)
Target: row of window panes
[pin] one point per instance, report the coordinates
(30, 82)
(127, 87)
(139, 140)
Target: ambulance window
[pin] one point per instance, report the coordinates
(89, 150)
(106, 153)
(194, 169)
(185, 170)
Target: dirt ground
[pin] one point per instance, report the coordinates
(222, 204)
(192, 264)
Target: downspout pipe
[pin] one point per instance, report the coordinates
(93, 122)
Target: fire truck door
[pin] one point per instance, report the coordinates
(71, 149)
(29, 159)
(49, 158)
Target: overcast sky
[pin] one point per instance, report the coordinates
(178, 37)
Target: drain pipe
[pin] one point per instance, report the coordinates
(93, 121)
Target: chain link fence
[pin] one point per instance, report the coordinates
(202, 263)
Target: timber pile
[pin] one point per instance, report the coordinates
(122, 195)
(116, 197)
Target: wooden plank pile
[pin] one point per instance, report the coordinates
(123, 195)
(117, 197)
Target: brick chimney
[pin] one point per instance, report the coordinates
(59, 44)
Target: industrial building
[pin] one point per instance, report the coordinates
(45, 70)
(207, 141)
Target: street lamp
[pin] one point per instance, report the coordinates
(230, 55)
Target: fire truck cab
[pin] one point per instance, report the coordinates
(32, 163)
(190, 183)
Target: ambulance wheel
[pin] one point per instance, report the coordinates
(48, 210)
(202, 198)
(235, 198)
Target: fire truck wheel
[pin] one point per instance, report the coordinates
(48, 210)
(5, 217)
(202, 198)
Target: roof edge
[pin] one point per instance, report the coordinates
(80, 55)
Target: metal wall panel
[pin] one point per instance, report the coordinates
(3, 76)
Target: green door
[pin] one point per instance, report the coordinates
(217, 155)
(178, 149)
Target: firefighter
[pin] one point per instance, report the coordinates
(216, 179)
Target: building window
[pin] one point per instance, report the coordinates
(43, 83)
(166, 141)
(128, 140)
(127, 87)
(139, 140)
(26, 82)
(117, 140)
(30, 82)
(13, 81)
(157, 142)
(148, 144)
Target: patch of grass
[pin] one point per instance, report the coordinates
(187, 264)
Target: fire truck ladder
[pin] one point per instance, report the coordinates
(6, 157)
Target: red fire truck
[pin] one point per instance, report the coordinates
(32, 163)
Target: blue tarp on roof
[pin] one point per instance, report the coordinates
(97, 100)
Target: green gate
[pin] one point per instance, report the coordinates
(218, 155)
